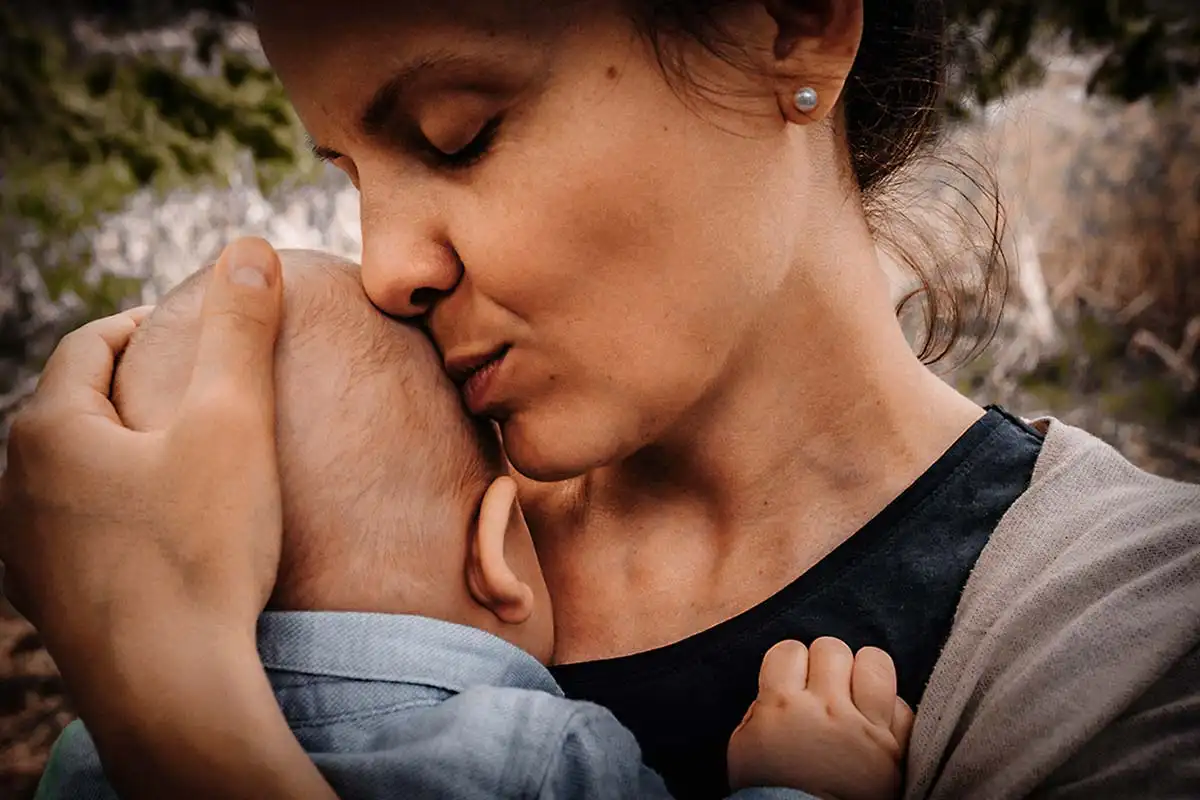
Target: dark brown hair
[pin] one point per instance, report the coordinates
(891, 110)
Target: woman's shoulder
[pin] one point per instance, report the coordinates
(1087, 511)
(1073, 458)
(1089, 524)
(1082, 487)
(1087, 594)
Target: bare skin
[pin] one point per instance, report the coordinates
(705, 377)
(826, 720)
(709, 464)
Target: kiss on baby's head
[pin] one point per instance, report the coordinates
(383, 474)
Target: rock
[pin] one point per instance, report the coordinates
(160, 240)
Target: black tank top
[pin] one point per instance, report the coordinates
(894, 584)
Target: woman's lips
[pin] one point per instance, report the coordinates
(478, 385)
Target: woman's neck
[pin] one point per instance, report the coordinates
(820, 420)
(819, 407)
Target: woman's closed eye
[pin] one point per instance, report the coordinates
(453, 155)
(451, 134)
(331, 156)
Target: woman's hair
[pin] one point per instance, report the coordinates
(891, 106)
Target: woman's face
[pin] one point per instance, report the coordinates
(533, 187)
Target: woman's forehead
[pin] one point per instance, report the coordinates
(316, 20)
(335, 48)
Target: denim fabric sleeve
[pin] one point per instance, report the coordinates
(73, 771)
(484, 744)
(771, 793)
(599, 759)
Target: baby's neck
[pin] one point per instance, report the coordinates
(338, 590)
(452, 606)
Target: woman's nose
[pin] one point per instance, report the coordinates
(406, 266)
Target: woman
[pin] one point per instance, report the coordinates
(636, 231)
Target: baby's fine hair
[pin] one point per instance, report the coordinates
(381, 468)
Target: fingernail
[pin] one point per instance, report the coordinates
(249, 265)
(251, 275)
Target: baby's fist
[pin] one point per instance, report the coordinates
(825, 721)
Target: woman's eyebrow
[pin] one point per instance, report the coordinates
(472, 72)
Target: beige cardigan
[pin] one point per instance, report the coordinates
(1072, 669)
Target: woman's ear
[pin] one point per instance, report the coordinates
(491, 580)
(815, 45)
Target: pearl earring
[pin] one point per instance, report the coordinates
(806, 100)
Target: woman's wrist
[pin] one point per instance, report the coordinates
(180, 706)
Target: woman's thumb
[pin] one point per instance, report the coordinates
(239, 324)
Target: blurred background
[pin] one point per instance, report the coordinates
(137, 137)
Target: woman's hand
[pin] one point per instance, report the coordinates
(101, 524)
(144, 558)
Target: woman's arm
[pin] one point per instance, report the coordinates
(1073, 667)
(1151, 751)
(182, 708)
(144, 558)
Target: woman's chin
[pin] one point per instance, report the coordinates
(549, 451)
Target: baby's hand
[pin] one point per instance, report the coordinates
(826, 722)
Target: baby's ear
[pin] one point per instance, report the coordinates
(491, 579)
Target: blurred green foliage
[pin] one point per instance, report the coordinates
(1145, 48)
(83, 130)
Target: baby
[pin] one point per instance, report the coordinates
(410, 626)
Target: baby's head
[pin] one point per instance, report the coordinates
(394, 500)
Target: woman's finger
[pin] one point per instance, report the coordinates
(234, 369)
(139, 313)
(78, 374)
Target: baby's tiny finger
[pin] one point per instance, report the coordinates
(830, 664)
(784, 670)
(902, 723)
(873, 685)
(745, 717)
